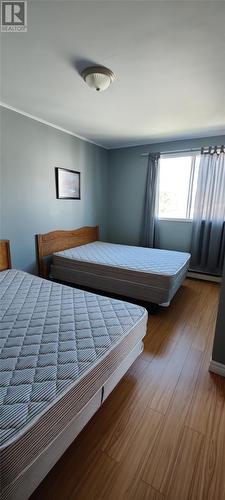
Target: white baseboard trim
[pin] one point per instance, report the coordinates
(216, 367)
(204, 277)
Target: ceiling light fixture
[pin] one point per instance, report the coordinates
(98, 77)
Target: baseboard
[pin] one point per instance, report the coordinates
(216, 367)
(204, 277)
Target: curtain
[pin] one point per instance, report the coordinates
(150, 204)
(208, 236)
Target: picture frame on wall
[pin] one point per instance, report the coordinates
(67, 184)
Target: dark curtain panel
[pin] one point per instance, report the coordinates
(208, 237)
(151, 196)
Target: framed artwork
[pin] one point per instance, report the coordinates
(67, 184)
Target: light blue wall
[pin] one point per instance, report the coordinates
(127, 180)
(112, 187)
(30, 153)
(112, 195)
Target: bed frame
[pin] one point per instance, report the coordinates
(5, 257)
(56, 241)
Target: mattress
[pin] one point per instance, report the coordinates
(147, 273)
(58, 347)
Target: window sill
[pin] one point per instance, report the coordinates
(174, 220)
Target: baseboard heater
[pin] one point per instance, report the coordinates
(216, 367)
(204, 277)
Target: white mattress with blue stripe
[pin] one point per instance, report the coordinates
(144, 273)
(58, 347)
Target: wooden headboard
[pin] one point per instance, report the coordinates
(56, 241)
(5, 258)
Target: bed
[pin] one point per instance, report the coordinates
(63, 350)
(146, 274)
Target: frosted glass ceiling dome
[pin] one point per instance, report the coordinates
(98, 77)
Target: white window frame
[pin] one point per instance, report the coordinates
(181, 155)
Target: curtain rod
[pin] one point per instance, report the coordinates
(199, 149)
(172, 152)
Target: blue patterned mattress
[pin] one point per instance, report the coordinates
(58, 347)
(143, 273)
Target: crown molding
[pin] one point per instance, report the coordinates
(49, 124)
(168, 140)
(150, 142)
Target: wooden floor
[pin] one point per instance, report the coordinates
(161, 433)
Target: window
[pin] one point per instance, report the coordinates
(177, 186)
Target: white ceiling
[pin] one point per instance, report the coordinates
(168, 56)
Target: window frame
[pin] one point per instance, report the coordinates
(193, 154)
